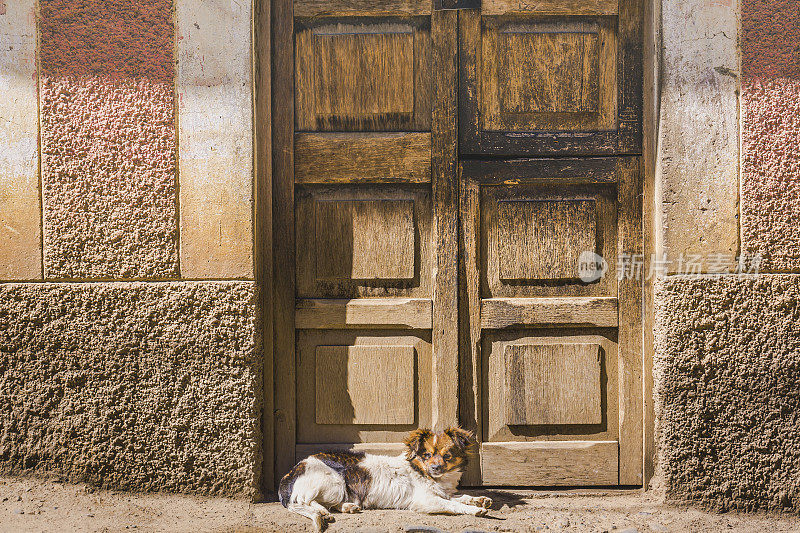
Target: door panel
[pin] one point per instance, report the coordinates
(550, 77)
(363, 74)
(532, 238)
(552, 74)
(362, 386)
(365, 240)
(526, 401)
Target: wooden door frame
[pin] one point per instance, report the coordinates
(272, 154)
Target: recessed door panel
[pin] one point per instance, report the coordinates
(362, 385)
(548, 77)
(552, 384)
(552, 74)
(534, 237)
(363, 241)
(363, 74)
(543, 239)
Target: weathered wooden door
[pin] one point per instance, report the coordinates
(425, 275)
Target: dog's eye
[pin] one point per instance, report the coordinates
(426, 455)
(446, 457)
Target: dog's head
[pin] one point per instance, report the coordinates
(435, 454)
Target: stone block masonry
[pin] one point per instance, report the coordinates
(139, 386)
(727, 369)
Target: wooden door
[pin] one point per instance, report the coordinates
(551, 352)
(416, 285)
(365, 209)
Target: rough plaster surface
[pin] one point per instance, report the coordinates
(697, 161)
(771, 132)
(771, 172)
(20, 214)
(140, 386)
(215, 115)
(108, 139)
(727, 368)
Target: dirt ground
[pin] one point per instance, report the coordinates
(36, 505)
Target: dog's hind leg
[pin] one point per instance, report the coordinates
(349, 507)
(313, 512)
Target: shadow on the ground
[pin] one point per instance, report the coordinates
(500, 498)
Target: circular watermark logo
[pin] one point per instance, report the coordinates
(591, 266)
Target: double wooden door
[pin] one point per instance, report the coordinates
(457, 226)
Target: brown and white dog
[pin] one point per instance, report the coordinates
(423, 479)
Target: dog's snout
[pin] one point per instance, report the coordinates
(436, 468)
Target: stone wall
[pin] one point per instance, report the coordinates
(129, 341)
(726, 361)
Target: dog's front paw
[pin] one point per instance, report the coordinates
(350, 508)
(482, 501)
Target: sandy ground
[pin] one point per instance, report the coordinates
(36, 505)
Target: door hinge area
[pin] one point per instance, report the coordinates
(456, 4)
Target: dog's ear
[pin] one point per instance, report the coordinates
(415, 441)
(461, 437)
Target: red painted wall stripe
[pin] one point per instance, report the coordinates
(771, 132)
(108, 138)
(771, 39)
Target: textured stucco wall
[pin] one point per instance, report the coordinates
(148, 385)
(727, 371)
(771, 132)
(108, 139)
(144, 386)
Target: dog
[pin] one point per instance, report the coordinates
(422, 479)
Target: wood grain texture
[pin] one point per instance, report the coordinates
(364, 385)
(506, 250)
(363, 75)
(552, 384)
(541, 171)
(615, 129)
(498, 313)
(552, 75)
(365, 239)
(631, 81)
(543, 240)
(262, 143)
(283, 282)
(549, 464)
(312, 8)
(310, 255)
(495, 345)
(470, 368)
(368, 341)
(550, 7)
(444, 161)
(341, 158)
(549, 72)
(396, 313)
(631, 244)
